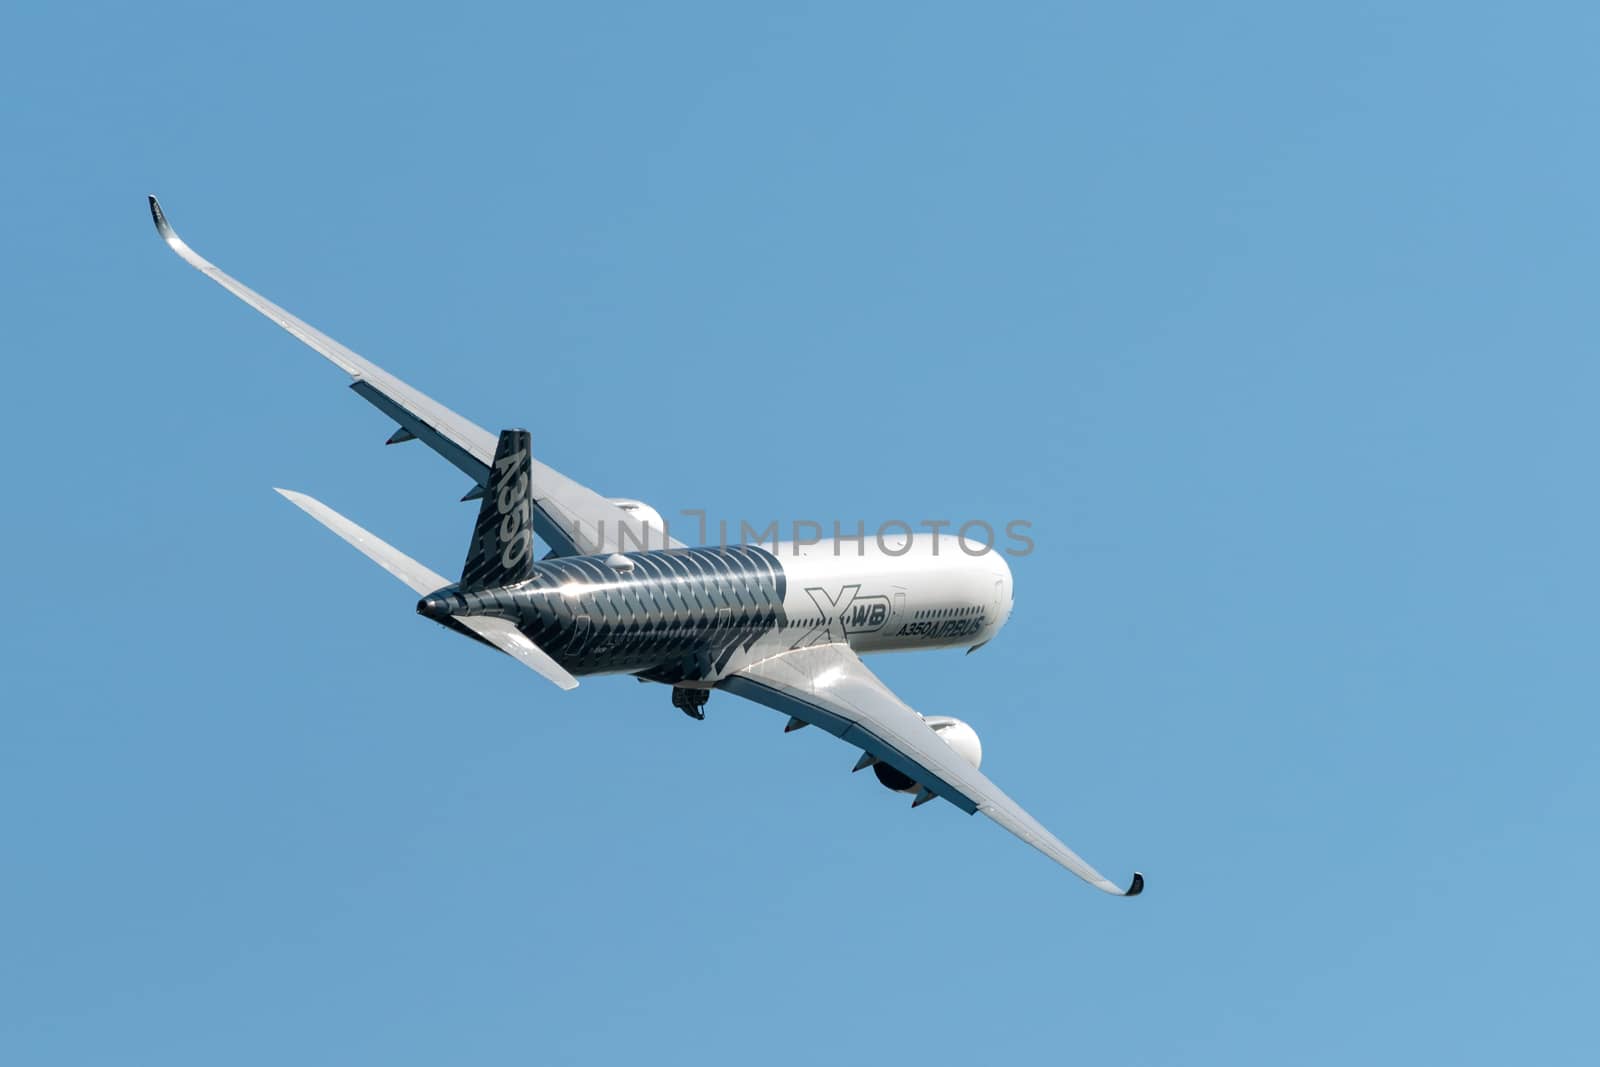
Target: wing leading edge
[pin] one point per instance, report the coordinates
(829, 687)
(570, 517)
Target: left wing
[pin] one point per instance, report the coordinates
(572, 518)
(828, 686)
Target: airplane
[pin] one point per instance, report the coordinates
(784, 627)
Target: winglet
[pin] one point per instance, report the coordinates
(163, 227)
(1136, 886)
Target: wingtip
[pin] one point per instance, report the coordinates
(163, 227)
(1136, 886)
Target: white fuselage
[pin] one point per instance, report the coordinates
(916, 593)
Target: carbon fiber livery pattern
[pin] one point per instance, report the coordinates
(501, 552)
(670, 616)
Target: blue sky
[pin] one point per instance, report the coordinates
(1277, 324)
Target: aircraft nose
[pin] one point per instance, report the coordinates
(1004, 587)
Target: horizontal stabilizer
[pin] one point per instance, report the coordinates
(497, 632)
(510, 640)
(376, 549)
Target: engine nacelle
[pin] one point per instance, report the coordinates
(953, 732)
(647, 515)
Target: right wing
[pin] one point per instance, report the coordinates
(828, 686)
(572, 518)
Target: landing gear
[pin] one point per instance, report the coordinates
(691, 702)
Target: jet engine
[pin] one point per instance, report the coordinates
(953, 732)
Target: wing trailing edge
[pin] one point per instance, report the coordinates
(829, 687)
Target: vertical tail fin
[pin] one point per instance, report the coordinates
(502, 542)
